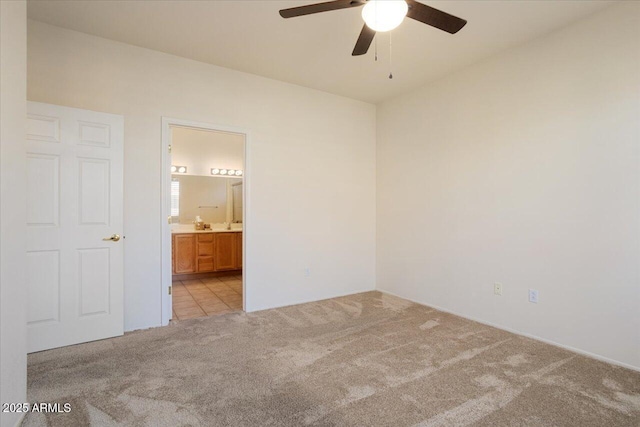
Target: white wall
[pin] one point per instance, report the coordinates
(524, 170)
(202, 150)
(311, 157)
(13, 297)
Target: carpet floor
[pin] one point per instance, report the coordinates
(362, 360)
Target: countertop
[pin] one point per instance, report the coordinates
(192, 230)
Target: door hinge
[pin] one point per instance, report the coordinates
(169, 289)
(169, 219)
(169, 149)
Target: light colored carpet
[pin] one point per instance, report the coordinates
(362, 360)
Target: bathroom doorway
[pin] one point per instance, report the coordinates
(203, 240)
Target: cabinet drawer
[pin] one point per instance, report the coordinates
(205, 264)
(205, 249)
(205, 238)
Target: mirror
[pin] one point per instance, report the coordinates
(215, 199)
(236, 193)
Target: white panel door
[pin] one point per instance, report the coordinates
(74, 203)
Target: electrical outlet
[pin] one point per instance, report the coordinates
(533, 296)
(307, 272)
(497, 288)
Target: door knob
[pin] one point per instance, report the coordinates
(113, 238)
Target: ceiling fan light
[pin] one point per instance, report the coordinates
(384, 15)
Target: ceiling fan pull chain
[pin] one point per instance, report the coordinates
(375, 41)
(390, 59)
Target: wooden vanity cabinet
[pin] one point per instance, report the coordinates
(184, 253)
(239, 250)
(206, 252)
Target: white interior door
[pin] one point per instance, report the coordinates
(74, 202)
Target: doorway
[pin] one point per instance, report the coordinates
(204, 227)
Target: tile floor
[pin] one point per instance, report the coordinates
(206, 297)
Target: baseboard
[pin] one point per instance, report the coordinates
(194, 276)
(524, 334)
(305, 301)
(20, 419)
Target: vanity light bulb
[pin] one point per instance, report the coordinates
(231, 172)
(173, 168)
(223, 172)
(182, 169)
(238, 173)
(215, 171)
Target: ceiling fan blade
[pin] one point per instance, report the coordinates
(320, 7)
(364, 41)
(434, 17)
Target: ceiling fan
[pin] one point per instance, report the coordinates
(381, 16)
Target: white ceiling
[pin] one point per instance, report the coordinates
(315, 50)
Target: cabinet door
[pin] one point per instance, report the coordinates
(184, 253)
(239, 250)
(225, 251)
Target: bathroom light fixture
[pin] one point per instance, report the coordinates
(384, 15)
(178, 169)
(227, 172)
